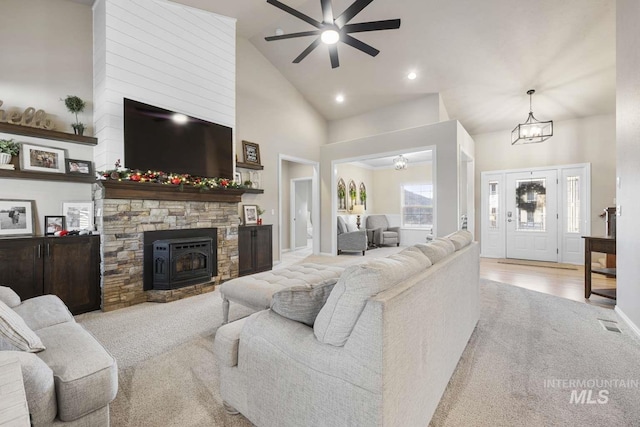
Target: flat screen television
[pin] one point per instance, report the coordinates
(162, 140)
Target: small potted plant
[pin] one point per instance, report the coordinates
(75, 105)
(260, 212)
(8, 149)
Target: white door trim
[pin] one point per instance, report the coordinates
(500, 176)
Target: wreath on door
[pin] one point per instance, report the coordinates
(525, 188)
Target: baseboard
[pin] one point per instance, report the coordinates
(628, 321)
(326, 254)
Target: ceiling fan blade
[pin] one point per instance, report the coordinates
(390, 24)
(307, 51)
(351, 11)
(333, 54)
(293, 35)
(327, 11)
(353, 42)
(295, 13)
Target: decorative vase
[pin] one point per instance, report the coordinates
(5, 158)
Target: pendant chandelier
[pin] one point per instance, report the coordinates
(400, 162)
(532, 130)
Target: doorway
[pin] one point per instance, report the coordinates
(301, 225)
(536, 214)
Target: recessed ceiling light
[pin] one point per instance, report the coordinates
(180, 118)
(412, 75)
(340, 99)
(330, 37)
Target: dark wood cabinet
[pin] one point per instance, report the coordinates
(68, 267)
(255, 251)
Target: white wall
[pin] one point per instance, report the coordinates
(585, 140)
(628, 158)
(272, 113)
(46, 55)
(419, 112)
(443, 137)
(163, 54)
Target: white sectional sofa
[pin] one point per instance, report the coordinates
(74, 379)
(380, 353)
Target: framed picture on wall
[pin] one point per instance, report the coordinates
(251, 152)
(16, 217)
(78, 215)
(41, 159)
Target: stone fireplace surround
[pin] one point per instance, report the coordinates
(124, 211)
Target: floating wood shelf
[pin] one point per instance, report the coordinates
(249, 166)
(46, 176)
(47, 134)
(152, 191)
(254, 190)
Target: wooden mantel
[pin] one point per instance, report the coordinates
(151, 191)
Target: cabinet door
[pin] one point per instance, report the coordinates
(245, 250)
(71, 271)
(21, 266)
(263, 252)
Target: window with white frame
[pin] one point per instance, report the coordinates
(417, 205)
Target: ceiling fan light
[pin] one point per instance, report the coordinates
(330, 37)
(340, 99)
(412, 75)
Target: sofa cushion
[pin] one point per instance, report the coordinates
(43, 311)
(416, 254)
(16, 331)
(302, 303)
(445, 244)
(227, 341)
(85, 374)
(434, 252)
(9, 297)
(339, 315)
(460, 238)
(38, 386)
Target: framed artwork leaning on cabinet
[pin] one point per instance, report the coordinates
(16, 217)
(78, 215)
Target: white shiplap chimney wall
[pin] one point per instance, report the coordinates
(164, 54)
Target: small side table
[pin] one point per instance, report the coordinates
(606, 245)
(14, 411)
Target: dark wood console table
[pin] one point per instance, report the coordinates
(606, 245)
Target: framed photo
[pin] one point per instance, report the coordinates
(16, 217)
(79, 167)
(41, 159)
(250, 214)
(237, 177)
(53, 224)
(78, 215)
(251, 152)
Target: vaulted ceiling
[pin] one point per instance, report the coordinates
(481, 56)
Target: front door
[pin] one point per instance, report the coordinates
(532, 215)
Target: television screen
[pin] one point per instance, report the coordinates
(162, 140)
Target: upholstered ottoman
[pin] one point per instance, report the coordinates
(255, 291)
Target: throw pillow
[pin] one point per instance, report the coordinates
(13, 328)
(351, 227)
(302, 303)
(9, 297)
(357, 284)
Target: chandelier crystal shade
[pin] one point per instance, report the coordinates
(400, 162)
(532, 130)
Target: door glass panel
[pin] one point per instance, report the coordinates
(494, 205)
(573, 204)
(531, 205)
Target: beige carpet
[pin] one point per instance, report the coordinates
(168, 374)
(558, 265)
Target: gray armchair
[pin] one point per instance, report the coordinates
(350, 241)
(379, 231)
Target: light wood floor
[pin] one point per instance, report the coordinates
(562, 283)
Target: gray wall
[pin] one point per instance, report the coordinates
(628, 158)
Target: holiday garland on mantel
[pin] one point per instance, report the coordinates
(529, 187)
(159, 177)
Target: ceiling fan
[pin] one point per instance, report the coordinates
(332, 30)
